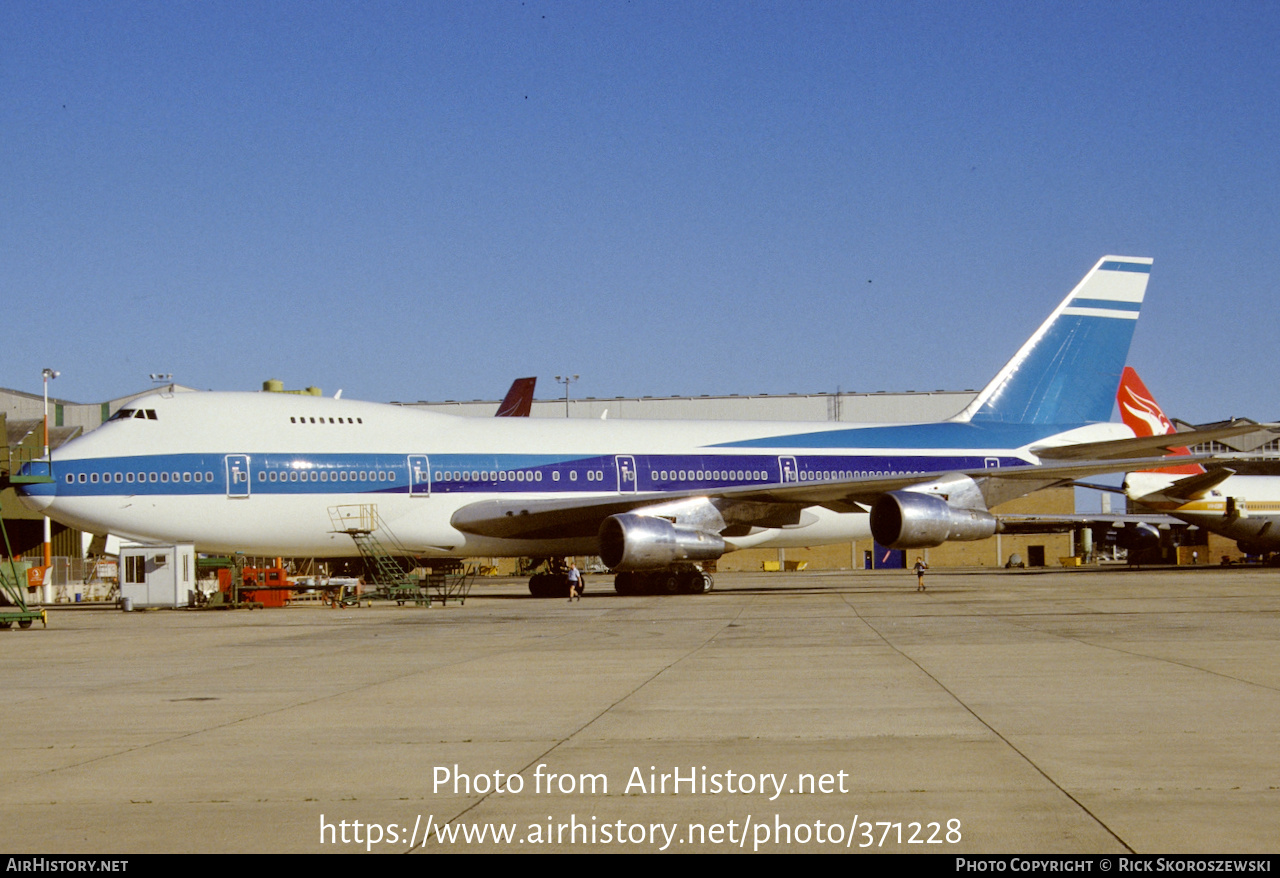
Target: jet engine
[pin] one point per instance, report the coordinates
(645, 542)
(912, 520)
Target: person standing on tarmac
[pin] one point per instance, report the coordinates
(575, 582)
(920, 567)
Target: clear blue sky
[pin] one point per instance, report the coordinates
(426, 200)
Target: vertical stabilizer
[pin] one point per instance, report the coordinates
(1142, 415)
(519, 399)
(1068, 371)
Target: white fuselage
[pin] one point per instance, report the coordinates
(1242, 508)
(261, 473)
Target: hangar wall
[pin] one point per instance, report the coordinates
(864, 408)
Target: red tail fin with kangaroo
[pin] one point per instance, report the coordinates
(1142, 415)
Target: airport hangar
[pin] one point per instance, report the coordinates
(22, 415)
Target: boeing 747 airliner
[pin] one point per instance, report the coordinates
(259, 472)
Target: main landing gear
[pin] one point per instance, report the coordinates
(685, 579)
(549, 585)
(553, 581)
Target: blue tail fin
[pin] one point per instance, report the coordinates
(1068, 371)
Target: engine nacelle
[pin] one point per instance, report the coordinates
(912, 520)
(644, 542)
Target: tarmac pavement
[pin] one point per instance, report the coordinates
(1087, 711)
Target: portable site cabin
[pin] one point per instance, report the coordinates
(158, 576)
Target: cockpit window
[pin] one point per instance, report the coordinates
(125, 414)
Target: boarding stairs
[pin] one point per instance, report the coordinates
(13, 586)
(381, 552)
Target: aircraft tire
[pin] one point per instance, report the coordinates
(624, 583)
(538, 586)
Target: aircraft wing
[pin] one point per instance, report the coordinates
(546, 519)
(1142, 444)
(757, 506)
(1030, 523)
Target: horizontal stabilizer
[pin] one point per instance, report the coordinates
(1140, 445)
(1195, 487)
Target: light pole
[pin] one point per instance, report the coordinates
(47, 374)
(566, 380)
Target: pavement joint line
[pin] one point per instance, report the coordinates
(1008, 743)
(1142, 655)
(622, 698)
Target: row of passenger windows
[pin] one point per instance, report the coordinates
(289, 476)
(308, 420)
(492, 476)
(843, 474)
(592, 475)
(458, 476)
(714, 475)
(327, 476)
(128, 478)
(759, 475)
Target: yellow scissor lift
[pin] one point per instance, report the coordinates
(13, 590)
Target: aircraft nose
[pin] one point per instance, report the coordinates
(35, 502)
(36, 489)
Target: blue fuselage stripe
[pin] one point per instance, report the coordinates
(365, 474)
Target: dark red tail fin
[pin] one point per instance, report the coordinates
(519, 399)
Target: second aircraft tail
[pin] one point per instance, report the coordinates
(1142, 415)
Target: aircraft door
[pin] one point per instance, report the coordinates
(237, 475)
(787, 467)
(419, 476)
(626, 465)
